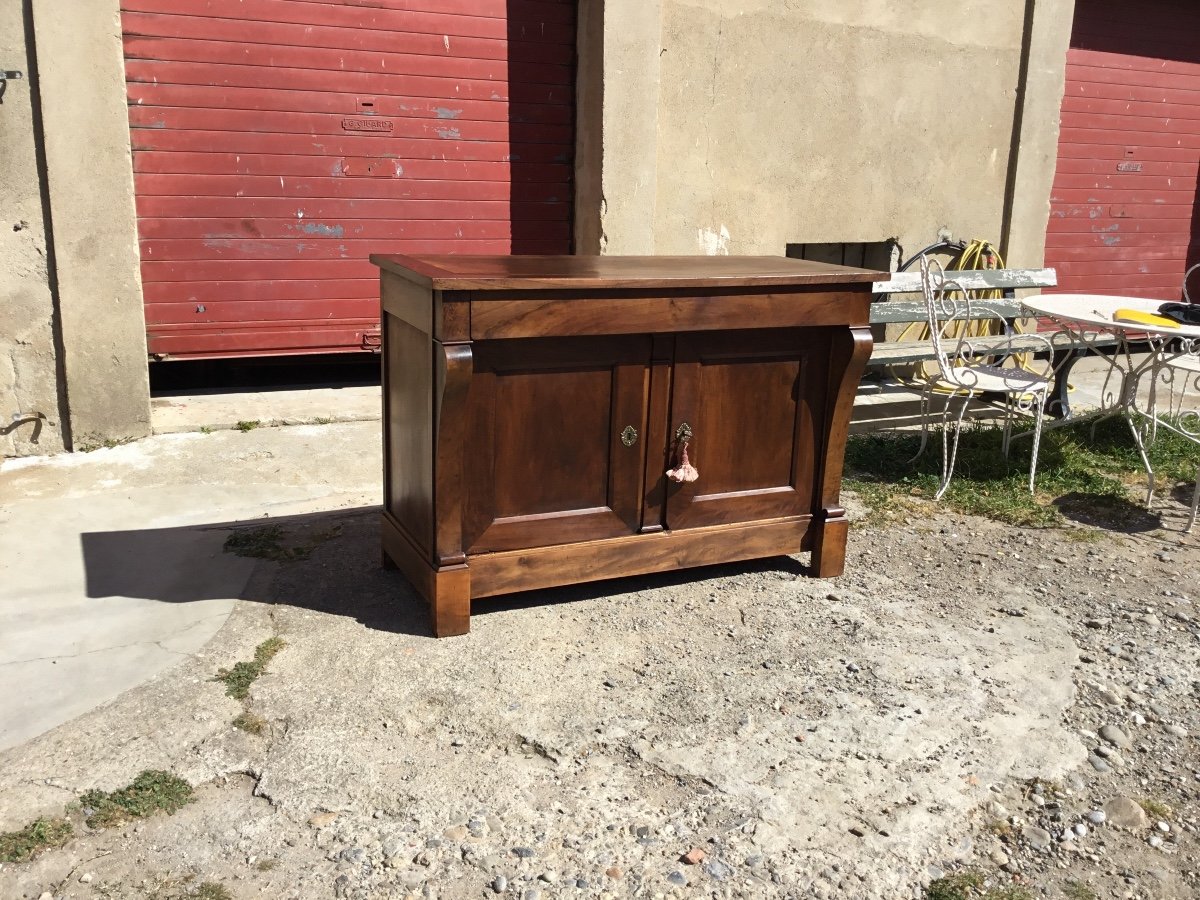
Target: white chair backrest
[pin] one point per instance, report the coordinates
(943, 308)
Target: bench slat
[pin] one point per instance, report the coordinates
(899, 311)
(893, 352)
(973, 279)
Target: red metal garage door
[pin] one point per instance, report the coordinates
(277, 143)
(1124, 208)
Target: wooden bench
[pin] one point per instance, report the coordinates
(906, 312)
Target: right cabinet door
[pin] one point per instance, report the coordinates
(754, 401)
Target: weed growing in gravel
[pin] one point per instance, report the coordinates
(969, 884)
(42, 834)
(210, 890)
(1077, 890)
(149, 792)
(242, 675)
(250, 723)
(1088, 477)
(266, 542)
(1155, 808)
(244, 426)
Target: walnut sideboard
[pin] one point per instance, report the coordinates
(533, 406)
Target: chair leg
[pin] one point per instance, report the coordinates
(1037, 439)
(924, 423)
(1195, 504)
(950, 455)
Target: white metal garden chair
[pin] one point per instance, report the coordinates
(1178, 369)
(963, 373)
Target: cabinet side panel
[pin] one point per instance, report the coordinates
(408, 468)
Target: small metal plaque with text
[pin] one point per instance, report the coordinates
(1129, 167)
(366, 123)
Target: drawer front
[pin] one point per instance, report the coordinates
(555, 449)
(753, 401)
(630, 312)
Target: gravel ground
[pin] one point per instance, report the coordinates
(968, 694)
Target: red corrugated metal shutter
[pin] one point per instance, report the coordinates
(277, 143)
(1124, 207)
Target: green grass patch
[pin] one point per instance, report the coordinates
(1089, 479)
(248, 425)
(242, 675)
(1077, 890)
(42, 834)
(151, 791)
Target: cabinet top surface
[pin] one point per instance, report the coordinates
(452, 272)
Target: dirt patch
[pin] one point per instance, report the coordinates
(744, 731)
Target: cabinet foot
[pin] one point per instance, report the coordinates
(450, 602)
(829, 544)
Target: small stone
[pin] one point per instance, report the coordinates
(1125, 813)
(717, 870)
(1163, 827)
(1176, 730)
(1155, 841)
(1096, 817)
(1139, 719)
(550, 876)
(1037, 838)
(321, 819)
(500, 884)
(395, 861)
(693, 856)
(581, 883)
(86, 878)
(1080, 830)
(533, 894)
(455, 833)
(1097, 623)
(46, 895)
(523, 852)
(998, 857)
(1110, 698)
(1116, 737)
(677, 878)
(1097, 763)
(614, 873)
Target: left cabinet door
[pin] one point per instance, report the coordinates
(555, 447)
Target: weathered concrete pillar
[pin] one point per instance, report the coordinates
(617, 126)
(89, 178)
(31, 408)
(1035, 140)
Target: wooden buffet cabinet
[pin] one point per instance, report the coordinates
(532, 406)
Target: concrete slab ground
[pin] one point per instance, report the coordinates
(81, 611)
(82, 616)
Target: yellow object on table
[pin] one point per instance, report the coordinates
(1137, 317)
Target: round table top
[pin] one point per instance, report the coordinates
(1098, 310)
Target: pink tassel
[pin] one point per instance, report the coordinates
(685, 472)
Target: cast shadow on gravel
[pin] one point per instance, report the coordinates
(1108, 513)
(328, 562)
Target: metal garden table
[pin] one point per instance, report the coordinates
(1085, 319)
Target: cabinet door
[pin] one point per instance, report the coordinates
(551, 451)
(752, 400)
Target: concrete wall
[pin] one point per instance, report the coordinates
(89, 176)
(739, 126)
(31, 409)
(73, 370)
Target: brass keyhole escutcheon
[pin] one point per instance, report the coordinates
(683, 434)
(629, 436)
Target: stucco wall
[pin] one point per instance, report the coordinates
(81, 84)
(30, 416)
(758, 123)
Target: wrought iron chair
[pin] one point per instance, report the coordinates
(964, 373)
(1178, 369)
